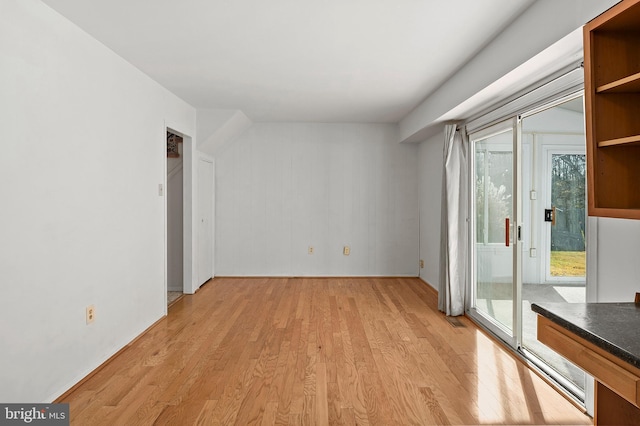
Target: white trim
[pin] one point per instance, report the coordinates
(492, 130)
(545, 244)
(577, 93)
(566, 84)
(188, 146)
(517, 224)
(508, 125)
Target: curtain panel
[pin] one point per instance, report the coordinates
(454, 227)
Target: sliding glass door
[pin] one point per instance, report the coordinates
(528, 226)
(493, 207)
(554, 254)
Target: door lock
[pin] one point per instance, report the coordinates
(550, 215)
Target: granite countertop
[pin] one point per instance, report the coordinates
(614, 327)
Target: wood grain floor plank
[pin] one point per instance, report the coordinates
(322, 400)
(334, 404)
(127, 411)
(185, 412)
(437, 413)
(270, 413)
(256, 394)
(205, 417)
(325, 351)
(282, 390)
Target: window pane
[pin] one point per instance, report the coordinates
(499, 193)
(480, 196)
(568, 197)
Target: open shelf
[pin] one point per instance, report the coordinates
(631, 140)
(630, 84)
(612, 111)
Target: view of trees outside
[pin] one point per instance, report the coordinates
(568, 197)
(494, 194)
(493, 203)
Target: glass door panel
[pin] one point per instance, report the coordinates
(553, 246)
(493, 254)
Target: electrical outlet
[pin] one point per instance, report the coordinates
(310, 249)
(421, 264)
(346, 250)
(91, 314)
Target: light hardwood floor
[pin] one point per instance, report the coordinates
(315, 351)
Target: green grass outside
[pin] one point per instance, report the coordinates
(568, 264)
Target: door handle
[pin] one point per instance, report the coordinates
(553, 216)
(506, 227)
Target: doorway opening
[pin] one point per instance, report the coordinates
(175, 216)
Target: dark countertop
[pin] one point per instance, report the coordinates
(614, 327)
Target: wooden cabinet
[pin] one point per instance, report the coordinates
(617, 386)
(612, 111)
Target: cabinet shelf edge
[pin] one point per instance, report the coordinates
(630, 84)
(620, 141)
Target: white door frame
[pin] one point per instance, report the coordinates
(188, 210)
(510, 124)
(591, 231)
(545, 244)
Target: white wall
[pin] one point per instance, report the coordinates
(618, 268)
(430, 158)
(218, 127)
(519, 42)
(281, 187)
(76, 229)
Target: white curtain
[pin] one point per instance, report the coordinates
(454, 230)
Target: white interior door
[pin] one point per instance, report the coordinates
(205, 220)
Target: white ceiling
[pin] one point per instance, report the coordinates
(293, 60)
